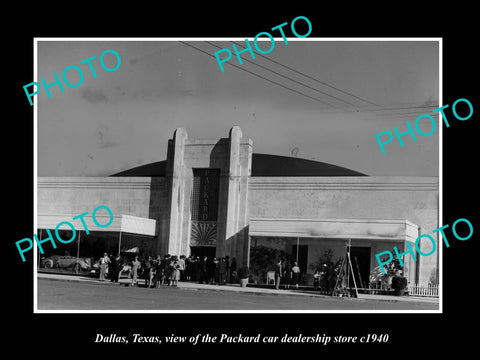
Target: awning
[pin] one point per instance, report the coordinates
(390, 230)
(122, 223)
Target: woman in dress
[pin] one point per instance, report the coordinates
(175, 271)
(157, 280)
(296, 274)
(148, 264)
(104, 261)
(316, 279)
(135, 266)
(167, 259)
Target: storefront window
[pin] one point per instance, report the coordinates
(81, 255)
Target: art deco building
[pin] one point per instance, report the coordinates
(218, 197)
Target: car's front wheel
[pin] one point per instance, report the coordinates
(77, 267)
(47, 265)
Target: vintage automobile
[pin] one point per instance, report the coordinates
(66, 262)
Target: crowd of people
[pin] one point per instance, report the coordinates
(170, 269)
(287, 274)
(326, 277)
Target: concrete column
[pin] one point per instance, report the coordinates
(407, 262)
(244, 215)
(417, 264)
(232, 194)
(175, 174)
(233, 157)
(239, 167)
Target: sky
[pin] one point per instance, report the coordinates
(314, 99)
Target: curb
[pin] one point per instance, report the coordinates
(185, 288)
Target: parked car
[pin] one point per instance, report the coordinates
(66, 262)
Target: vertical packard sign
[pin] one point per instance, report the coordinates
(205, 194)
(204, 206)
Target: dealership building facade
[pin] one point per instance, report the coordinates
(218, 198)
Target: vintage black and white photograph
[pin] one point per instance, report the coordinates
(225, 175)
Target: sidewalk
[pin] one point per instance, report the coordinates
(181, 285)
(193, 286)
(432, 300)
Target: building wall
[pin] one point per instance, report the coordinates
(384, 198)
(137, 196)
(408, 198)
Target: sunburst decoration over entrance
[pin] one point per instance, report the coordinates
(203, 233)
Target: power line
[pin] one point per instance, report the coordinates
(405, 117)
(401, 108)
(289, 78)
(402, 112)
(409, 104)
(313, 98)
(314, 79)
(262, 77)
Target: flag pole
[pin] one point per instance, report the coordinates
(298, 241)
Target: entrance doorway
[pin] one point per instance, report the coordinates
(202, 251)
(360, 257)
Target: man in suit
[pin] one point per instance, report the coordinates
(164, 280)
(181, 263)
(227, 269)
(233, 271)
(202, 268)
(222, 270)
(399, 283)
(112, 268)
(278, 273)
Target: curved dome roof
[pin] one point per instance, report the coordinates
(262, 165)
(275, 165)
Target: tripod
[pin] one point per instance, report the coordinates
(344, 270)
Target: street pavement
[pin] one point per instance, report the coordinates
(194, 296)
